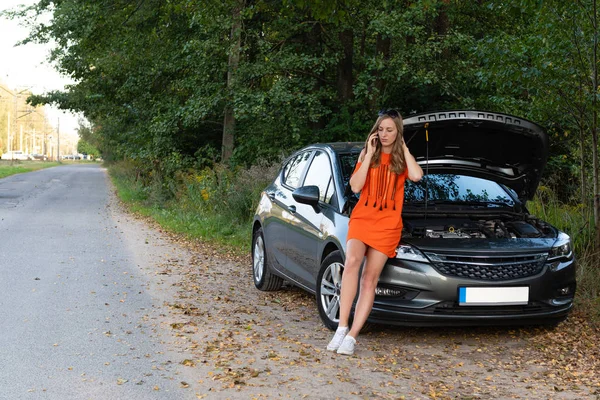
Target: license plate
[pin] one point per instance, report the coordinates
(493, 296)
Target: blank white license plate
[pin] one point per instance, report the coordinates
(493, 296)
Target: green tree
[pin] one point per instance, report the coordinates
(545, 67)
(89, 141)
(169, 82)
(84, 147)
(146, 76)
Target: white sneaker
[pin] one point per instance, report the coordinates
(347, 346)
(340, 333)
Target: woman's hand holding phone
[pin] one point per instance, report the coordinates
(372, 143)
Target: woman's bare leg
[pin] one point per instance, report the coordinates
(355, 253)
(368, 283)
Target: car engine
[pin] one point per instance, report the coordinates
(463, 228)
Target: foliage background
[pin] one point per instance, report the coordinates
(152, 76)
(157, 81)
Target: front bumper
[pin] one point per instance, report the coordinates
(417, 294)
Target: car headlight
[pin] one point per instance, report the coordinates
(562, 248)
(409, 253)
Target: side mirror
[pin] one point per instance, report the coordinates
(308, 195)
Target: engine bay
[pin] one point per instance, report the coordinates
(468, 228)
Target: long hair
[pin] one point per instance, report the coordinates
(397, 161)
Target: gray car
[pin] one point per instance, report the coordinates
(470, 254)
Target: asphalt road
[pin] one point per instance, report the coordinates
(78, 318)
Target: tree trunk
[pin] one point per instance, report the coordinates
(442, 23)
(314, 40)
(234, 59)
(584, 199)
(442, 26)
(382, 49)
(345, 81)
(595, 134)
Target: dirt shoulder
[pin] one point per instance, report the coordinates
(239, 343)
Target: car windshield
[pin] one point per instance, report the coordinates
(443, 188)
(456, 189)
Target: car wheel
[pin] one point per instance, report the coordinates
(329, 284)
(264, 279)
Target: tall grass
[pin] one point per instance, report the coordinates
(578, 222)
(8, 168)
(215, 204)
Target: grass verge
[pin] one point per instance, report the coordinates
(229, 235)
(8, 168)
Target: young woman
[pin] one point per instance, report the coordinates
(376, 222)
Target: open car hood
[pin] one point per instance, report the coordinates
(500, 147)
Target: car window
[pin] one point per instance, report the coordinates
(319, 174)
(292, 172)
(348, 162)
(456, 188)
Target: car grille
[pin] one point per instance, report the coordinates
(451, 308)
(488, 268)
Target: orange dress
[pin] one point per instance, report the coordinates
(376, 219)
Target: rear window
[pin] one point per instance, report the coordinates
(293, 170)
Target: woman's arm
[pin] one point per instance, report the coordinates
(415, 173)
(358, 179)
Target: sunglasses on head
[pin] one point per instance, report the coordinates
(390, 113)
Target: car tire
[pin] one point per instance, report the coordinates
(329, 284)
(264, 279)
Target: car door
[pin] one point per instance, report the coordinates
(280, 218)
(305, 234)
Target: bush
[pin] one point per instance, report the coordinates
(232, 193)
(215, 203)
(128, 177)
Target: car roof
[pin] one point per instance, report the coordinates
(339, 147)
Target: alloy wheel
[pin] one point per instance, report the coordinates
(331, 285)
(258, 258)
